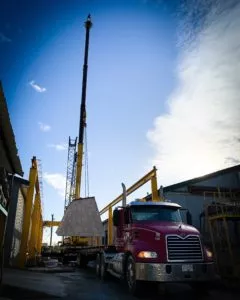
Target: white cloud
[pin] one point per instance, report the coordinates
(57, 181)
(44, 127)
(4, 39)
(37, 87)
(200, 131)
(58, 147)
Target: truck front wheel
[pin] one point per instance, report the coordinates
(133, 284)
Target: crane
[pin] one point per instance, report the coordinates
(88, 25)
(76, 146)
(75, 158)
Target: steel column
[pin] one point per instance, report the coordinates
(110, 226)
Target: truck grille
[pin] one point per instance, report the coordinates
(184, 249)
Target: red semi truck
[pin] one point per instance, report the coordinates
(152, 244)
(147, 241)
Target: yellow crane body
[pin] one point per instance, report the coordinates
(79, 170)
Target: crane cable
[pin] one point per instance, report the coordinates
(86, 164)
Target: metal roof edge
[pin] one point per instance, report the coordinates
(8, 135)
(201, 178)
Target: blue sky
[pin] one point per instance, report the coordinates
(152, 96)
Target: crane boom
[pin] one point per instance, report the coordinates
(88, 25)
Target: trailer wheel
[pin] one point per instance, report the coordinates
(98, 265)
(82, 260)
(133, 284)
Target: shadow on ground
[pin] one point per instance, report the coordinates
(13, 293)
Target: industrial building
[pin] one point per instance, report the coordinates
(14, 225)
(11, 183)
(195, 194)
(20, 199)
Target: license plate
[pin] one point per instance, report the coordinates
(187, 268)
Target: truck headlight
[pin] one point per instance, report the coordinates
(147, 254)
(209, 253)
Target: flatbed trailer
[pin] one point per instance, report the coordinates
(81, 254)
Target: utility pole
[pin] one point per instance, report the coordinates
(51, 231)
(88, 25)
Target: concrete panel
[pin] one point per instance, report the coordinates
(81, 218)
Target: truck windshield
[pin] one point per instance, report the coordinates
(155, 213)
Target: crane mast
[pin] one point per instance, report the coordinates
(82, 124)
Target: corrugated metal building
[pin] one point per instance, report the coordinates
(15, 221)
(11, 186)
(194, 194)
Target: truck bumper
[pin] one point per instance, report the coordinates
(176, 272)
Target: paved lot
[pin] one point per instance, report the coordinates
(83, 285)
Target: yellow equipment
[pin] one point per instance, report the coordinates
(152, 175)
(31, 241)
(222, 223)
(51, 223)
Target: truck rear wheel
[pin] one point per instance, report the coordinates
(103, 268)
(82, 260)
(133, 284)
(98, 265)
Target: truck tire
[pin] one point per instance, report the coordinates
(82, 260)
(103, 268)
(98, 265)
(133, 284)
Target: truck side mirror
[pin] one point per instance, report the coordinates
(116, 217)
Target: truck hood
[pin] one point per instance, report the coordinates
(167, 228)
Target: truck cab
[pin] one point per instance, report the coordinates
(151, 243)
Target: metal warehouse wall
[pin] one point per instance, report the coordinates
(14, 223)
(17, 232)
(194, 203)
